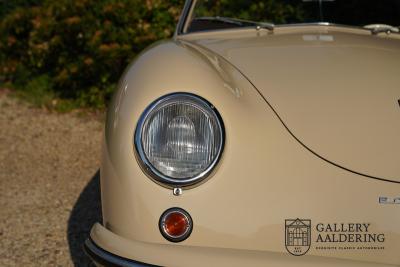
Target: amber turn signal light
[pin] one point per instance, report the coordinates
(175, 225)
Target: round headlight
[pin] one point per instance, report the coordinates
(179, 139)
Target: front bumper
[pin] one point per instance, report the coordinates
(104, 246)
(105, 258)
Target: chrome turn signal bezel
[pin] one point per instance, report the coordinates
(164, 231)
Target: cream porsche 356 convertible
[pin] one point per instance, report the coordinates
(264, 133)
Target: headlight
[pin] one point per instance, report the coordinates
(179, 139)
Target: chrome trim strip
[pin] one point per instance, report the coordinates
(326, 24)
(105, 258)
(151, 171)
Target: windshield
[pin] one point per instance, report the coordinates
(223, 14)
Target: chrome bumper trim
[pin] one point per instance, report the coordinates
(105, 258)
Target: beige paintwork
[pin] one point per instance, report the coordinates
(337, 92)
(265, 175)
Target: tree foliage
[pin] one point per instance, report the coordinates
(79, 47)
(77, 50)
(278, 12)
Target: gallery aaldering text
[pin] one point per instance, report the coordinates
(347, 233)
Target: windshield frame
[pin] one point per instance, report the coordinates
(187, 14)
(185, 18)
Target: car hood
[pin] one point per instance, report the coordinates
(336, 90)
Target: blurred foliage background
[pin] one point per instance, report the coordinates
(70, 53)
(278, 12)
(67, 54)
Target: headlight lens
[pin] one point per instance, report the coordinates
(179, 138)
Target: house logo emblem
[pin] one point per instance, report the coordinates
(297, 236)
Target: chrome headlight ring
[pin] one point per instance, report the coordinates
(179, 139)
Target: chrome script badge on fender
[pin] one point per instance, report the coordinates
(389, 200)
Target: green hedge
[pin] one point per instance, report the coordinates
(75, 51)
(70, 54)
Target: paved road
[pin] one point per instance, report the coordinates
(49, 195)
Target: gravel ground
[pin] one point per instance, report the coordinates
(49, 193)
